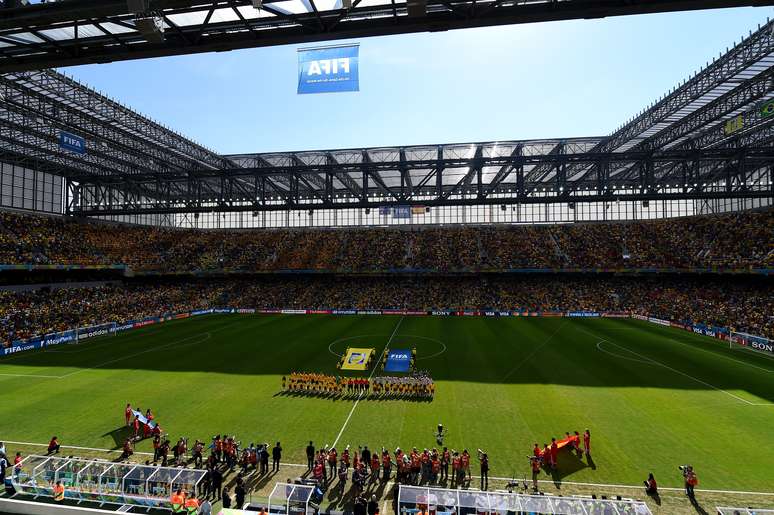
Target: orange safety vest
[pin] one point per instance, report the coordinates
(177, 502)
(191, 505)
(58, 493)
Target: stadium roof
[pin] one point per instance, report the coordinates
(682, 145)
(70, 32)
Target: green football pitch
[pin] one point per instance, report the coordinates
(653, 397)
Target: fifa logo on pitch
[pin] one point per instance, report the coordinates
(329, 66)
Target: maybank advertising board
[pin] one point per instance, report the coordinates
(332, 69)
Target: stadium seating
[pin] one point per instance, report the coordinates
(744, 304)
(735, 241)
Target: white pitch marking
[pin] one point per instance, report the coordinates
(373, 371)
(29, 375)
(600, 342)
(684, 374)
(693, 347)
(677, 371)
(206, 335)
(519, 365)
(347, 339)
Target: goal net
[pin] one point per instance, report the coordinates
(752, 342)
(83, 333)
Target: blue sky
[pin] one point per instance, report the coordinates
(560, 79)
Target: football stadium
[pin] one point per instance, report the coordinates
(535, 325)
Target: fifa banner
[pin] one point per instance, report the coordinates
(398, 360)
(331, 69)
(356, 359)
(401, 212)
(21, 346)
(72, 143)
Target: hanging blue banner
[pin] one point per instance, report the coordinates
(328, 69)
(72, 143)
(401, 212)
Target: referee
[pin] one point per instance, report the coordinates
(310, 456)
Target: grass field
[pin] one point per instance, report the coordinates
(653, 397)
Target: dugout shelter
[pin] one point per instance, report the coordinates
(103, 481)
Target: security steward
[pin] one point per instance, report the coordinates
(191, 504)
(177, 501)
(59, 493)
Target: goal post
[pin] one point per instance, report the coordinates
(751, 342)
(93, 331)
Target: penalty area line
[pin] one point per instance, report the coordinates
(496, 478)
(373, 371)
(651, 360)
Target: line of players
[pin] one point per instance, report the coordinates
(415, 385)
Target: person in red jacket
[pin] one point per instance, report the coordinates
(53, 445)
(554, 453)
(128, 414)
(375, 467)
(651, 487)
(547, 457)
(17, 467)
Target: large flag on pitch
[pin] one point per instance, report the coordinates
(398, 360)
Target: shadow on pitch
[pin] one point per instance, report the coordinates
(568, 464)
(478, 350)
(119, 436)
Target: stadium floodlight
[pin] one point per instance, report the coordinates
(346, 4)
(258, 4)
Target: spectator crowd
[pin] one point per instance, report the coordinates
(738, 240)
(742, 303)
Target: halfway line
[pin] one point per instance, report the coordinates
(346, 422)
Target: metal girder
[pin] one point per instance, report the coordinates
(349, 183)
(504, 171)
(750, 51)
(87, 31)
(751, 56)
(64, 95)
(20, 135)
(98, 131)
(280, 182)
(474, 169)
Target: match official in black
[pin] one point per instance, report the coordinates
(484, 460)
(276, 455)
(310, 456)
